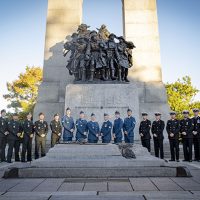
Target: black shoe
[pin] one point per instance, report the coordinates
(23, 161)
(190, 160)
(9, 161)
(171, 160)
(185, 160)
(177, 160)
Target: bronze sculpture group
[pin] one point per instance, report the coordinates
(97, 56)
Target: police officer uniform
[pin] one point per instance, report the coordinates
(196, 136)
(68, 124)
(117, 129)
(158, 137)
(128, 127)
(81, 129)
(173, 129)
(3, 137)
(56, 130)
(93, 131)
(144, 131)
(28, 129)
(14, 128)
(41, 130)
(106, 130)
(186, 125)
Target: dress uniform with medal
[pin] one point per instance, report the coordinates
(106, 129)
(41, 130)
(186, 130)
(15, 131)
(196, 134)
(81, 128)
(144, 131)
(3, 135)
(28, 130)
(56, 130)
(173, 130)
(93, 130)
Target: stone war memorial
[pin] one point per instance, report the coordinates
(62, 88)
(97, 71)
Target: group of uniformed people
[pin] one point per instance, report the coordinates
(14, 133)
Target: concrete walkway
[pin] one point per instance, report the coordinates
(89, 189)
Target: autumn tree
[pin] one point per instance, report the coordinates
(181, 95)
(23, 92)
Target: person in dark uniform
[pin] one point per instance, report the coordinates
(28, 129)
(15, 131)
(41, 130)
(56, 130)
(128, 127)
(186, 128)
(173, 129)
(93, 130)
(157, 130)
(69, 126)
(3, 135)
(144, 131)
(81, 128)
(106, 129)
(196, 134)
(117, 128)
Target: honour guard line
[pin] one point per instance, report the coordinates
(15, 133)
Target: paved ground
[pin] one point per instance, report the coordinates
(89, 189)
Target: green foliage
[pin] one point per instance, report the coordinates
(22, 93)
(181, 95)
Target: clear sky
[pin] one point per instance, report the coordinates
(23, 32)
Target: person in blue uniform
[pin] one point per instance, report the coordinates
(81, 127)
(93, 130)
(15, 131)
(41, 131)
(117, 128)
(157, 130)
(144, 131)
(186, 130)
(106, 129)
(56, 130)
(196, 134)
(28, 129)
(3, 135)
(173, 129)
(128, 127)
(69, 126)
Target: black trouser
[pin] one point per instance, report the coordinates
(40, 142)
(54, 139)
(27, 148)
(13, 144)
(187, 148)
(196, 142)
(174, 149)
(2, 148)
(158, 147)
(147, 144)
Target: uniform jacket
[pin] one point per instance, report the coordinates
(3, 126)
(129, 125)
(56, 127)
(196, 122)
(81, 128)
(158, 128)
(41, 127)
(117, 127)
(186, 125)
(68, 124)
(106, 130)
(14, 127)
(28, 128)
(173, 126)
(144, 128)
(93, 130)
